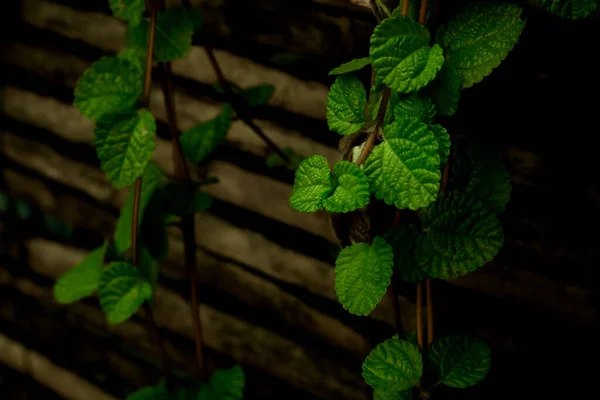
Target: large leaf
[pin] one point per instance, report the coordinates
(83, 279)
(351, 189)
(460, 360)
(124, 144)
(225, 384)
(363, 274)
(198, 142)
(346, 105)
(446, 90)
(174, 30)
(479, 38)
(404, 170)
(312, 185)
(393, 365)
(128, 10)
(402, 238)
(110, 85)
(122, 291)
(571, 9)
(401, 54)
(350, 66)
(459, 236)
(415, 105)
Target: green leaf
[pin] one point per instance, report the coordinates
(374, 103)
(460, 360)
(274, 160)
(479, 172)
(415, 105)
(124, 144)
(158, 392)
(443, 141)
(404, 170)
(258, 95)
(393, 365)
(225, 384)
(198, 142)
(109, 86)
(392, 395)
(346, 105)
(459, 237)
(350, 66)
(128, 10)
(312, 185)
(83, 279)
(174, 30)
(122, 291)
(570, 9)
(134, 57)
(152, 178)
(446, 90)
(363, 274)
(479, 38)
(202, 201)
(351, 189)
(401, 54)
(401, 238)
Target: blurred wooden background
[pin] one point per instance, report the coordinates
(266, 274)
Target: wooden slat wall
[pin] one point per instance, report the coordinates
(266, 273)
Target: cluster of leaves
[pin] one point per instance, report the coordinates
(455, 233)
(570, 9)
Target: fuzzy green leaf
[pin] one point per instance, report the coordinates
(393, 365)
(83, 279)
(404, 170)
(363, 274)
(446, 90)
(460, 360)
(392, 395)
(443, 141)
(122, 291)
(198, 142)
(459, 236)
(570, 9)
(312, 185)
(174, 30)
(345, 105)
(401, 238)
(128, 10)
(133, 56)
(350, 66)
(109, 86)
(351, 189)
(401, 54)
(258, 95)
(225, 384)
(479, 38)
(124, 144)
(415, 105)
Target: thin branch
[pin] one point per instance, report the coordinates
(420, 314)
(430, 332)
(422, 11)
(373, 135)
(405, 4)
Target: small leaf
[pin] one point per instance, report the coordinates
(312, 185)
(446, 90)
(351, 189)
(404, 170)
(345, 105)
(374, 103)
(459, 237)
(443, 141)
(460, 360)
(258, 95)
(570, 9)
(415, 105)
(401, 56)
(122, 291)
(363, 274)
(401, 238)
(350, 66)
(393, 365)
(124, 143)
(158, 392)
(109, 86)
(83, 279)
(392, 395)
(128, 10)
(198, 142)
(479, 38)
(174, 30)
(225, 384)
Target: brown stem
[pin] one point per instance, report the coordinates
(430, 334)
(423, 11)
(405, 4)
(373, 135)
(420, 314)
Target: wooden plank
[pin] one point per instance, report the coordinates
(107, 33)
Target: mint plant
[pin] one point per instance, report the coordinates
(397, 157)
(115, 93)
